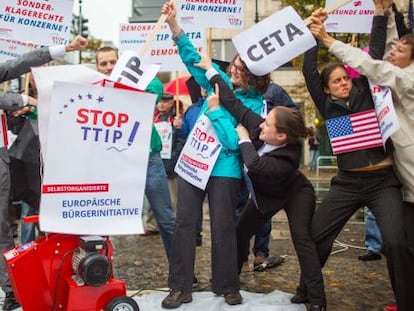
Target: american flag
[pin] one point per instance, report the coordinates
(354, 132)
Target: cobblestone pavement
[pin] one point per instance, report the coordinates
(350, 284)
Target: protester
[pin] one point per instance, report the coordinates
(168, 122)
(366, 176)
(373, 241)
(197, 96)
(9, 70)
(156, 186)
(397, 73)
(222, 187)
(313, 142)
(271, 153)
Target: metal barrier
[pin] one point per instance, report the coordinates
(331, 160)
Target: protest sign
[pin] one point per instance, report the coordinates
(44, 22)
(11, 49)
(353, 17)
(96, 160)
(132, 71)
(199, 154)
(385, 111)
(215, 14)
(44, 78)
(274, 41)
(162, 50)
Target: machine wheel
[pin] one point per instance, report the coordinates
(122, 303)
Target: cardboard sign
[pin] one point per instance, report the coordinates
(215, 14)
(44, 22)
(132, 71)
(274, 41)
(96, 160)
(162, 51)
(353, 17)
(199, 154)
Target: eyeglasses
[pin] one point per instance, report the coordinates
(237, 68)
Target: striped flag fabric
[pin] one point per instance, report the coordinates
(354, 132)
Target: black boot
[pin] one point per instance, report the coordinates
(10, 302)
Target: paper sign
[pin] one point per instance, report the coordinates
(162, 51)
(44, 22)
(96, 160)
(216, 14)
(384, 108)
(199, 154)
(354, 17)
(132, 71)
(11, 49)
(274, 41)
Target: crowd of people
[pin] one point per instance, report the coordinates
(257, 171)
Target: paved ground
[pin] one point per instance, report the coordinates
(350, 284)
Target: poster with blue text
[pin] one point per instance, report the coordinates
(96, 160)
(44, 22)
(228, 14)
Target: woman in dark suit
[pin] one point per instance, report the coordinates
(271, 152)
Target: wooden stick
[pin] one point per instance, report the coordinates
(177, 99)
(153, 33)
(329, 9)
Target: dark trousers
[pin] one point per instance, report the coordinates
(380, 191)
(222, 197)
(299, 209)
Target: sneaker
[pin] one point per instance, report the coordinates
(175, 298)
(195, 281)
(10, 302)
(233, 298)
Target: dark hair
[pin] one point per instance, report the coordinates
(327, 70)
(409, 40)
(291, 123)
(260, 83)
(105, 49)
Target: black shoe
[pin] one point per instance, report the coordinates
(10, 302)
(195, 281)
(299, 297)
(233, 298)
(317, 308)
(175, 298)
(369, 256)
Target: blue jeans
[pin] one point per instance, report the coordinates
(313, 154)
(158, 195)
(373, 241)
(27, 230)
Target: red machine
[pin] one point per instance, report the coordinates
(67, 272)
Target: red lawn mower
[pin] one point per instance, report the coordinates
(63, 272)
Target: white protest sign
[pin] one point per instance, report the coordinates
(165, 131)
(46, 22)
(353, 17)
(44, 78)
(132, 71)
(385, 111)
(274, 41)
(11, 49)
(162, 50)
(215, 14)
(199, 154)
(96, 160)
